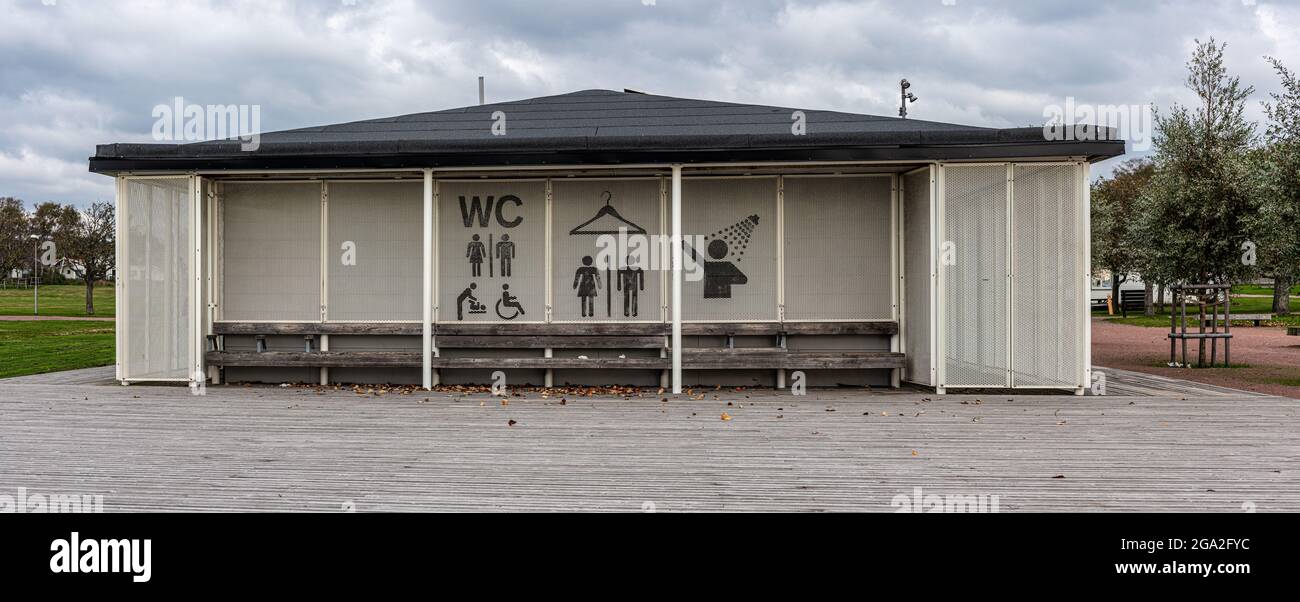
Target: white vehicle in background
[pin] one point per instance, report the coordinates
(1101, 283)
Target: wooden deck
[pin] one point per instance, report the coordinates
(299, 449)
(1129, 383)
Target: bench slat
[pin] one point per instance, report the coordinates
(577, 330)
(713, 359)
(542, 342)
(693, 359)
(634, 329)
(317, 328)
(399, 359)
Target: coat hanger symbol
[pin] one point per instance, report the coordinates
(610, 211)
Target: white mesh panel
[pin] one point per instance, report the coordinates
(737, 217)
(159, 335)
(1046, 337)
(382, 224)
(509, 219)
(837, 256)
(916, 275)
(271, 251)
(587, 213)
(974, 308)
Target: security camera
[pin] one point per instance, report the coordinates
(906, 84)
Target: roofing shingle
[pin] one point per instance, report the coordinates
(599, 126)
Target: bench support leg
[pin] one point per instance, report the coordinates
(324, 372)
(780, 372)
(435, 374)
(665, 376)
(895, 375)
(550, 372)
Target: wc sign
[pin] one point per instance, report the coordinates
(476, 209)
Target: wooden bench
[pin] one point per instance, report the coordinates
(558, 336)
(1256, 318)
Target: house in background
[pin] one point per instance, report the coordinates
(442, 247)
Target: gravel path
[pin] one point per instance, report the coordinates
(1268, 357)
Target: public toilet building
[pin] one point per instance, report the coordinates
(535, 238)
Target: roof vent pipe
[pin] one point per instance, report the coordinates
(481, 102)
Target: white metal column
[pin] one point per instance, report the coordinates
(210, 300)
(780, 268)
(197, 374)
(934, 277)
(427, 308)
(1085, 170)
(896, 273)
(940, 349)
(121, 272)
(325, 252)
(548, 378)
(677, 279)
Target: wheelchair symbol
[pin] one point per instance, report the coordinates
(510, 301)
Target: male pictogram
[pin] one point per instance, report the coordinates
(631, 280)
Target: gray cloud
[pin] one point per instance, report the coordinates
(82, 72)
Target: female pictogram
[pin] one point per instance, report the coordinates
(586, 280)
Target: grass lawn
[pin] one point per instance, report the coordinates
(57, 300)
(35, 347)
(1242, 305)
(1256, 289)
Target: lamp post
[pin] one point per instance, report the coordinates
(906, 97)
(36, 280)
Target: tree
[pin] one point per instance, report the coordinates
(1197, 214)
(1115, 205)
(88, 247)
(1279, 172)
(15, 251)
(56, 223)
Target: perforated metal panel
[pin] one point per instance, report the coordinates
(508, 258)
(271, 251)
(737, 264)
(1046, 230)
(917, 287)
(623, 281)
(837, 255)
(159, 343)
(973, 264)
(375, 259)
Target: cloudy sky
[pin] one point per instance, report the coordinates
(75, 73)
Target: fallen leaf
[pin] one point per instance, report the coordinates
(726, 416)
(511, 423)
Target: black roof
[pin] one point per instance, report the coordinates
(601, 127)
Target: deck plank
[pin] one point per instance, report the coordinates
(302, 449)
